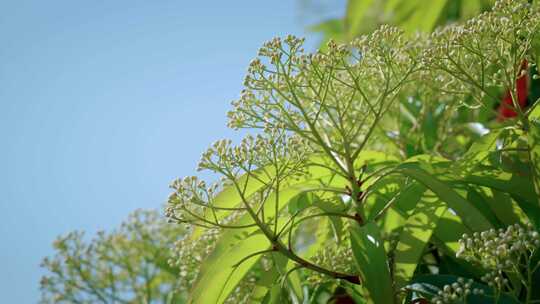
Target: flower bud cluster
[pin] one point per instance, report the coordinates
(385, 46)
(336, 257)
(336, 92)
(188, 254)
(500, 251)
(190, 199)
(85, 271)
(273, 147)
(483, 54)
(243, 292)
(456, 292)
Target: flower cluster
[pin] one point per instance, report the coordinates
(330, 98)
(188, 254)
(113, 267)
(499, 249)
(502, 252)
(267, 160)
(484, 54)
(254, 152)
(190, 201)
(335, 257)
(456, 292)
(243, 292)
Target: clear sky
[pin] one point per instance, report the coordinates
(103, 103)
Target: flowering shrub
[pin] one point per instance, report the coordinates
(126, 266)
(369, 165)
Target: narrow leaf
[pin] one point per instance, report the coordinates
(370, 256)
(415, 236)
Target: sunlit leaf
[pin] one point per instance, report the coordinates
(414, 237)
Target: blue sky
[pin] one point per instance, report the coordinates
(103, 103)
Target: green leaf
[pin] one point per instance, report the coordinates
(321, 294)
(501, 204)
(230, 198)
(534, 154)
(270, 277)
(233, 246)
(470, 8)
(535, 108)
(402, 207)
(515, 185)
(219, 270)
(520, 188)
(414, 237)
(300, 202)
(425, 16)
(354, 16)
(404, 202)
(479, 150)
(478, 200)
(449, 231)
(267, 280)
(276, 295)
(505, 208)
(370, 256)
(271, 282)
(330, 29)
(471, 216)
(333, 205)
(429, 129)
(401, 9)
(295, 282)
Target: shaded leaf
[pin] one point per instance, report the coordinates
(471, 216)
(370, 256)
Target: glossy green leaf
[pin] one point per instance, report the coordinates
(229, 196)
(479, 201)
(500, 203)
(471, 216)
(401, 207)
(370, 256)
(478, 151)
(321, 294)
(269, 278)
(449, 231)
(414, 237)
(219, 270)
(470, 8)
(515, 185)
(520, 188)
